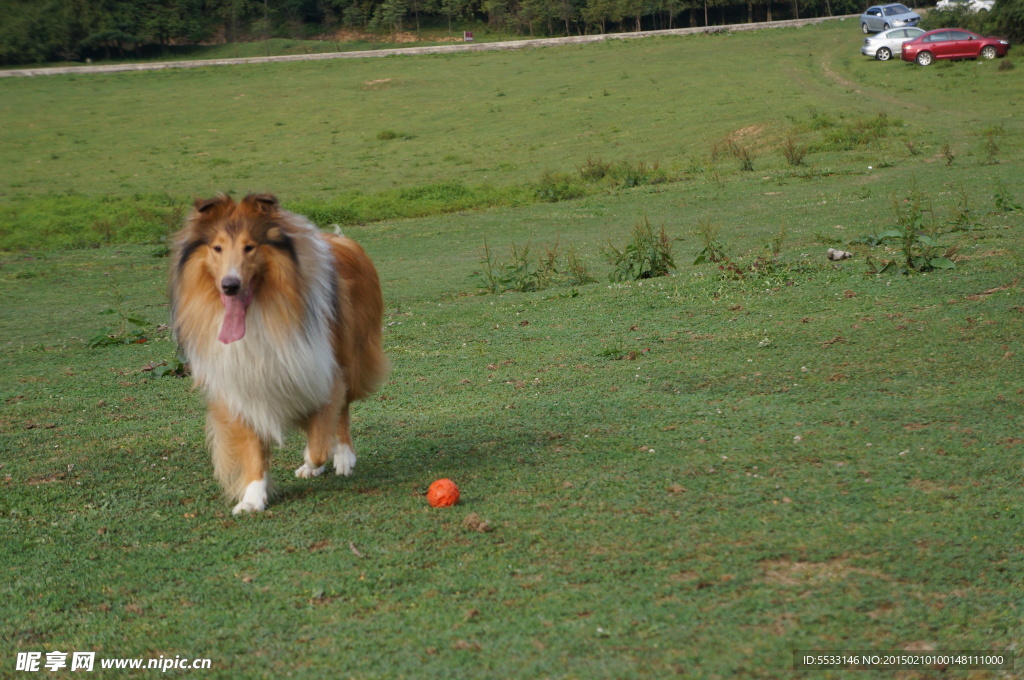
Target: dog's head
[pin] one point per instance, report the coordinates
(231, 243)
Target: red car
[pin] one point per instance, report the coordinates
(952, 43)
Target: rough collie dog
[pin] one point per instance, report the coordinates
(282, 325)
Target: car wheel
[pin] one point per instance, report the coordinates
(988, 52)
(864, 28)
(924, 58)
(885, 27)
(883, 54)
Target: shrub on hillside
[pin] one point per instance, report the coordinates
(646, 256)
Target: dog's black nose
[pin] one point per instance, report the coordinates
(230, 285)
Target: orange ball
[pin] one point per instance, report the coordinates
(443, 493)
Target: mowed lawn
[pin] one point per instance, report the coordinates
(694, 475)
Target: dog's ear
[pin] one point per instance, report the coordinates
(263, 203)
(205, 205)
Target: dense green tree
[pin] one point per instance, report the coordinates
(599, 13)
(531, 13)
(1007, 19)
(389, 15)
(497, 13)
(454, 9)
(23, 33)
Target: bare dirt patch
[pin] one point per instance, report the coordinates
(799, 573)
(401, 37)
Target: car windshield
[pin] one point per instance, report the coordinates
(896, 9)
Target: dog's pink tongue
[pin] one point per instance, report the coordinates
(234, 318)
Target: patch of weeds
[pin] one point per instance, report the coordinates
(775, 241)
(385, 135)
(991, 145)
(614, 352)
(738, 151)
(793, 152)
(445, 192)
(962, 217)
(921, 251)
(763, 267)
(523, 273)
(856, 133)
(697, 166)
(947, 154)
(618, 352)
(876, 239)
(1006, 65)
(647, 255)
(108, 229)
(623, 173)
(630, 175)
(557, 186)
(576, 268)
(820, 121)
(911, 147)
(177, 367)
(743, 155)
(162, 250)
(1005, 202)
(594, 169)
(130, 330)
(713, 250)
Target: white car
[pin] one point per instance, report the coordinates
(969, 5)
(883, 46)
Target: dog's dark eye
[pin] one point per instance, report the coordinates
(249, 248)
(216, 249)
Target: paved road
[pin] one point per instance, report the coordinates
(398, 51)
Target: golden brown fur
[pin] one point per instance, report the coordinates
(282, 325)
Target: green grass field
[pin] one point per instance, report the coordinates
(692, 475)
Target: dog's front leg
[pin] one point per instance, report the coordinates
(326, 438)
(241, 461)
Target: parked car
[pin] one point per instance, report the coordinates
(884, 17)
(883, 45)
(952, 43)
(967, 5)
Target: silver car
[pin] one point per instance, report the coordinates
(884, 17)
(883, 46)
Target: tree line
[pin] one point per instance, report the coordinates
(34, 31)
(67, 30)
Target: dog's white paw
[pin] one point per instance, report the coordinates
(344, 459)
(246, 506)
(255, 497)
(305, 471)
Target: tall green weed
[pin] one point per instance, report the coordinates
(647, 255)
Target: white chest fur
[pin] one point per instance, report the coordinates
(268, 383)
